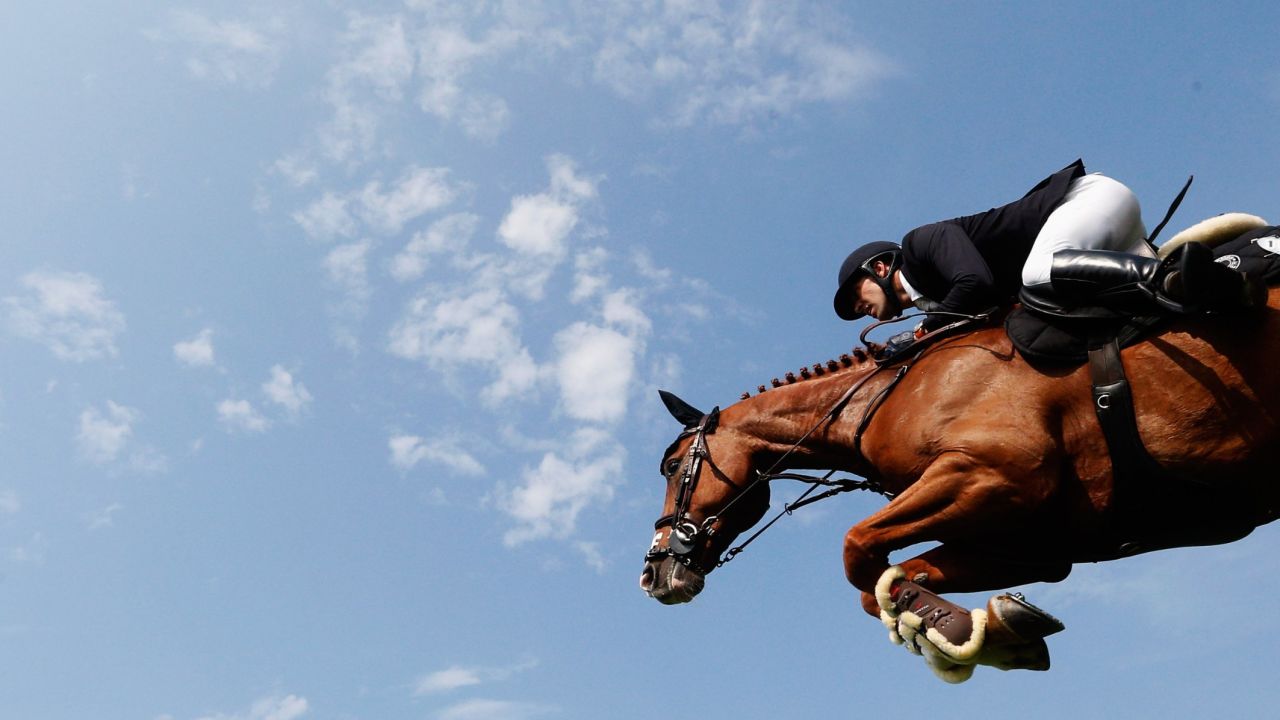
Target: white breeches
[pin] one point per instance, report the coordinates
(1098, 213)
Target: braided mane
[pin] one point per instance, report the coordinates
(856, 356)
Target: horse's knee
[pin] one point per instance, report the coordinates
(862, 566)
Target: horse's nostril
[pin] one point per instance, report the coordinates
(647, 577)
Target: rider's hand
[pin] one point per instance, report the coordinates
(899, 342)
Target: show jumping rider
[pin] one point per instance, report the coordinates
(1076, 237)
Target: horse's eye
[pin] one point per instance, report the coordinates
(672, 466)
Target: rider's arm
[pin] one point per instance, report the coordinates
(947, 250)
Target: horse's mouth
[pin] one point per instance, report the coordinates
(670, 582)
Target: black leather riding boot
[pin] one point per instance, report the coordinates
(1114, 280)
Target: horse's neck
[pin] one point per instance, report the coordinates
(780, 419)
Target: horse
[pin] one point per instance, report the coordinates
(1000, 461)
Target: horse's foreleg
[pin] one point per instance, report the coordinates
(956, 498)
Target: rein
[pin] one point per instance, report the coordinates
(683, 539)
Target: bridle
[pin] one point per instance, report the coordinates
(686, 533)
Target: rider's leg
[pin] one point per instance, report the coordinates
(1097, 213)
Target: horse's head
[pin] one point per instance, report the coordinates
(712, 497)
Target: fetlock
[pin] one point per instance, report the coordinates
(947, 625)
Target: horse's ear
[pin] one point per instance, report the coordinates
(687, 414)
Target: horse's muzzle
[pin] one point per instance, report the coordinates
(670, 582)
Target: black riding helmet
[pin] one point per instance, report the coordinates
(858, 264)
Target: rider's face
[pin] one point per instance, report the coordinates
(870, 299)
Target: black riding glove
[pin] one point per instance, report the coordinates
(900, 342)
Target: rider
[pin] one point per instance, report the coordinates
(1077, 237)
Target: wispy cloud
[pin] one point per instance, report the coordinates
(9, 502)
(196, 352)
(287, 392)
(232, 52)
(379, 207)
(446, 236)
(103, 435)
(486, 709)
(348, 269)
(547, 501)
(459, 676)
(31, 552)
(289, 707)
(68, 313)
(241, 415)
(407, 451)
(105, 517)
(730, 63)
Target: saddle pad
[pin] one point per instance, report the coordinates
(1066, 341)
(1255, 253)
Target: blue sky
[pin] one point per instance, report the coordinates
(331, 334)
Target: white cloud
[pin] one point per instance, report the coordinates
(148, 461)
(731, 63)
(409, 450)
(539, 224)
(9, 502)
(105, 517)
(417, 192)
(241, 415)
(480, 326)
(594, 371)
(446, 680)
(385, 210)
(622, 310)
(486, 709)
(457, 676)
(450, 234)
(589, 276)
(196, 352)
(228, 51)
(518, 375)
(551, 496)
(377, 62)
(298, 170)
(67, 313)
(103, 436)
(348, 268)
(289, 707)
(326, 218)
(591, 553)
(283, 390)
(448, 55)
(380, 57)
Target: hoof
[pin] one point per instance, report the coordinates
(1012, 620)
(1032, 655)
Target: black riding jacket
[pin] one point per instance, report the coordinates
(969, 264)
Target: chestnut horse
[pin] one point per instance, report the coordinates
(1001, 462)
